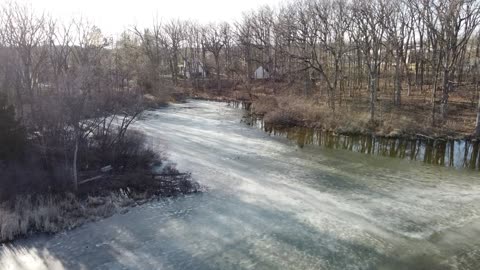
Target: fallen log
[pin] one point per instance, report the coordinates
(167, 174)
(90, 179)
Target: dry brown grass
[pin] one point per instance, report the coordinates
(284, 104)
(26, 214)
(299, 111)
(51, 214)
(407, 121)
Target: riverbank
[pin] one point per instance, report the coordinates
(280, 108)
(406, 122)
(61, 185)
(30, 214)
(274, 205)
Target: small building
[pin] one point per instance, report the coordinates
(261, 73)
(193, 69)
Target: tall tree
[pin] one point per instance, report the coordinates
(368, 34)
(451, 24)
(214, 43)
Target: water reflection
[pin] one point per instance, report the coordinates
(450, 153)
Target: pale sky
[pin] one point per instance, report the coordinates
(113, 16)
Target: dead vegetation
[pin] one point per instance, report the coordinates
(280, 104)
(407, 121)
(52, 213)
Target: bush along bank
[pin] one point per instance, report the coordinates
(27, 214)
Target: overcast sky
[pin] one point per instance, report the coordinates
(112, 16)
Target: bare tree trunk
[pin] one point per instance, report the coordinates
(409, 81)
(217, 61)
(335, 83)
(477, 126)
(74, 165)
(398, 83)
(373, 93)
(434, 97)
(422, 60)
(306, 83)
(445, 93)
(359, 69)
(434, 92)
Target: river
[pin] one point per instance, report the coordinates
(272, 204)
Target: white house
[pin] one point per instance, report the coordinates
(261, 73)
(196, 67)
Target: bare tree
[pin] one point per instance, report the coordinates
(174, 36)
(332, 21)
(152, 44)
(214, 42)
(451, 24)
(368, 34)
(26, 33)
(398, 30)
(244, 41)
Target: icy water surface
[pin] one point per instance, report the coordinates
(273, 205)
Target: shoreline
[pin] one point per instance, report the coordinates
(30, 215)
(440, 150)
(346, 132)
(100, 196)
(249, 106)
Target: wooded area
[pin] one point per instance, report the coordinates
(64, 110)
(70, 92)
(425, 52)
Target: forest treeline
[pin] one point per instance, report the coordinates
(339, 50)
(342, 49)
(65, 107)
(68, 154)
(69, 92)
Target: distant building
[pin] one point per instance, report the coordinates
(261, 73)
(193, 69)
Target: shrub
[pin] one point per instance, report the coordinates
(12, 134)
(280, 117)
(264, 105)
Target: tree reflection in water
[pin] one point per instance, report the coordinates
(449, 153)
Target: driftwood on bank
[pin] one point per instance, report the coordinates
(90, 179)
(153, 175)
(104, 170)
